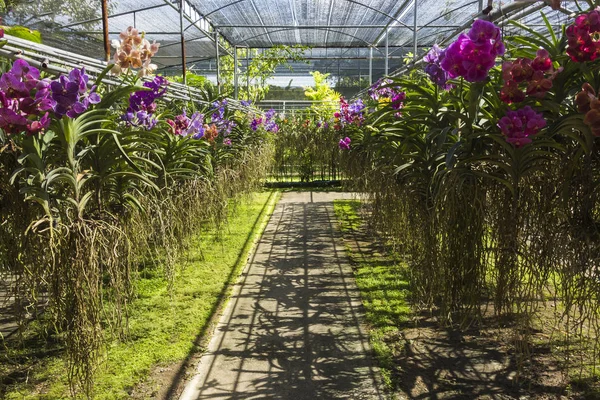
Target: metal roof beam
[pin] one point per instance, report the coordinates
(334, 26)
(428, 25)
(321, 47)
(261, 21)
(393, 18)
(205, 33)
(177, 66)
(113, 15)
(157, 33)
(162, 46)
(329, 21)
(358, 3)
(292, 28)
(225, 6)
(319, 58)
(399, 14)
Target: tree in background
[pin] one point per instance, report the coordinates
(53, 12)
(325, 97)
(262, 67)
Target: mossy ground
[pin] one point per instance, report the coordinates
(382, 282)
(164, 325)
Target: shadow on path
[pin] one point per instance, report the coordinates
(293, 330)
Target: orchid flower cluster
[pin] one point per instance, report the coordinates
(587, 102)
(322, 125)
(70, 94)
(383, 92)
(26, 99)
(211, 132)
(269, 122)
(434, 69)
(518, 126)
(535, 75)
(133, 51)
(583, 37)
(142, 104)
(344, 143)
(472, 55)
(349, 113)
(185, 126)
(256, 123)
(218, 119)
(21, 110)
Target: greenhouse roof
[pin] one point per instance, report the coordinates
(386, 28)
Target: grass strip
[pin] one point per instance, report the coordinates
(166, 327)
(383, 286)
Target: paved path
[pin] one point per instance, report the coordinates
(292, 329)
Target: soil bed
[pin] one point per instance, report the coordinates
(422, 359)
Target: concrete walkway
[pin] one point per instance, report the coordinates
(292, 329)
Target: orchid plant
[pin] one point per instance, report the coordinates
(88, 163)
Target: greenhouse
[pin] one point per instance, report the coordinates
(299, 199)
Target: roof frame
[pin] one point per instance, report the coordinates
(262, 25)
(320, 24)
(87, 21)
(329, 20)
(403, 9)
(195, 23)
(315, 28)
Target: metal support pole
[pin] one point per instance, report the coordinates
(370, 66)
(386, 51)
(235, 73)
(415, 30)
(217, 56)
(182, 37)
(359, 68)
(105, 30)
(480, 6)
(248, 71)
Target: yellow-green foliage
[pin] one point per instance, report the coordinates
(322, 92)
(23, 33)
(192, 79)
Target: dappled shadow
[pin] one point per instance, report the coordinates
(178, 378)
(433, 361)
(444, 363)
(293, 330)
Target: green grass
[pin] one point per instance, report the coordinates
(164, 327)
(383, 286)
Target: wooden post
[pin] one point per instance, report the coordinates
(105, 30)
